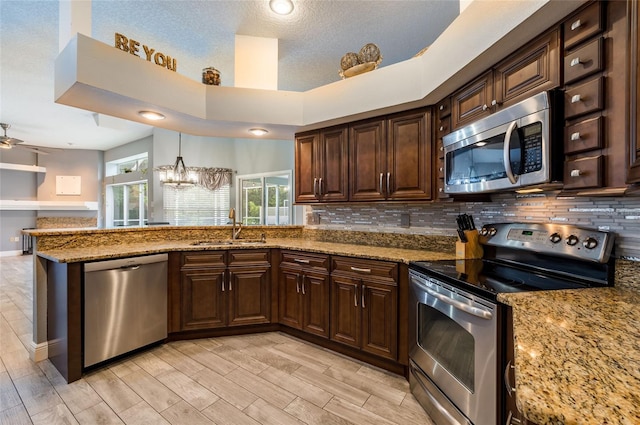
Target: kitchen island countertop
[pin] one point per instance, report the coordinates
(103, 252)
(577, 355)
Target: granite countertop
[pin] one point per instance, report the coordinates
(104, 252)
(577, 356)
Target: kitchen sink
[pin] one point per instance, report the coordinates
(222, 242)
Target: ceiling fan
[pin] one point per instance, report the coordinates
(7, 142)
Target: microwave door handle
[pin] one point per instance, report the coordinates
(506, 154)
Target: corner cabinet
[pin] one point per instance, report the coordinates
(634, 83)
(219, 289)
(321, 167)
(390, 158)
(364, 305)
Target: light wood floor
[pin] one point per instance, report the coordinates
(269, 378)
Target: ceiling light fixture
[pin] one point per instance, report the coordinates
(258, 131)
(151, 115)
(177, 175)
(281, 7)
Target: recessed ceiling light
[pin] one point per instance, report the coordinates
(150, 115)
(281, 7)
(258, 131)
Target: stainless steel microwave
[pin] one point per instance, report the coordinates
(516, 147)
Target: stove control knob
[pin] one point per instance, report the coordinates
(590, 243)
(484, 231)
(492, 231)
(555, 238)
(572, 240)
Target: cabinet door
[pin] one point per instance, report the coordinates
(634, 70)
(346, 315)
(203, 299)
(290, 297)
(248, 293)
(473, 101)
(367, 161)
(409, 157)
(533, 69)
(380, 319)
(315, 295)
(333, 181)
(306, 158)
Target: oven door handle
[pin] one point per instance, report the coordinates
(475, 311)
(506, 154)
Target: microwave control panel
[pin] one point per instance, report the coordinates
(532, 142)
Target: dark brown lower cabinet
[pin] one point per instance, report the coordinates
(220, 289)
(364, 305)
(304, 292)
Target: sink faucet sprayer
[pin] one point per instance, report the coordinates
(232, 216)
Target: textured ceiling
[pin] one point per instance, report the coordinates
(198, 33)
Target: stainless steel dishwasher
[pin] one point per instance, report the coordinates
(125, 306)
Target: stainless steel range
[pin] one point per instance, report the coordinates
(456, 324)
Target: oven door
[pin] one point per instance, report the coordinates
(455, 346)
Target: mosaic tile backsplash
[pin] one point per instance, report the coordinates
(615, 214)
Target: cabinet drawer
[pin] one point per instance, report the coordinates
(443, 127)
(192, 260)
(584, 61)
(243, 257)
(440, 169)
(584, 172)
(583, 25)
(304, 259)
(440, 148)
(443, 108)
(365, 268)
(583, 136)
(585, 98)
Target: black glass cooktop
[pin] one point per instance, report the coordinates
(489, 277)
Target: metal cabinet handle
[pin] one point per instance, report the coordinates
(510, 389)
(381, 177)
(364, 288)
(485, 107)
(441, 128)
(315, 187)
(355, 296)
(358, 269)
(303, 291)
(388, 184)
(494, 102)
(575, 62)
(442, 107)
(575, 136)
(230, 281)
(511, 420)
(575, 98)
(222, 281)
(300, 260)
(575, 173)
(575, 25)
(320, 186)
(298, 283)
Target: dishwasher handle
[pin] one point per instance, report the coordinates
(130, 263)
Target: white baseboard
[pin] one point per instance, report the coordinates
(39, 352)
(10, 253)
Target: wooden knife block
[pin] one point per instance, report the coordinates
(471, 248)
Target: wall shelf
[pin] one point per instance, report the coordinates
(8, 205)
(22, 167)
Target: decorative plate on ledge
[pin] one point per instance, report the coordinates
(358, 69)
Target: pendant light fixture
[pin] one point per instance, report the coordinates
(177, 175)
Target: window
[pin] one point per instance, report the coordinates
(126, 204)
(196, 205)
(127, 165)
(265, 198)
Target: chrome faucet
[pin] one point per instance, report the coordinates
(232, 216)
